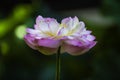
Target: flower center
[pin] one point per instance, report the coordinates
(63, 25)
(50, 34)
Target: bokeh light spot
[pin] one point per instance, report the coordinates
(20, 31)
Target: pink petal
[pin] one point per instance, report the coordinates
(50, 43)
(34, 44)
(46, 50)
(87, 38)
(73, 50)
(76, 50)
(30, 41)
(74, 42)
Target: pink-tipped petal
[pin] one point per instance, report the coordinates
(66, 20)
(68, 23)
(75, 21)
(90, 37)
(39, 19)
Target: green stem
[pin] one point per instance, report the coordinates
(58, 64)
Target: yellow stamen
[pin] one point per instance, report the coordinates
(63, 25)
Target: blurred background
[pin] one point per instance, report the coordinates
(19, 62)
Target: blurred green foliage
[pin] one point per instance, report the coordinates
(19, 62)
(19, 15)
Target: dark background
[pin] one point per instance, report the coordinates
(19, 62)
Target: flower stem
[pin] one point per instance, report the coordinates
(58, 64)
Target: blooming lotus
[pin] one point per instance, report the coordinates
(48, 35)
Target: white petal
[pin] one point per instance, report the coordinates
(80, 27)
(54, 27)
(36, 33)
(75, 22)
(32, 31)
(43, 27)
(64, 31)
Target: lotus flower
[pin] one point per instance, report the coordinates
(48, 35)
